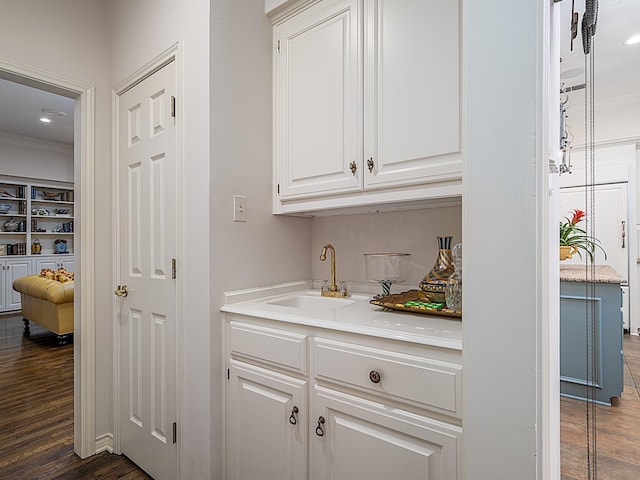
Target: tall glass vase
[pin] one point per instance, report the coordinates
(435, 281)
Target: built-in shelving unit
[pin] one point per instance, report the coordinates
(44, 213)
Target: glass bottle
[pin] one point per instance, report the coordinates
(453, 290)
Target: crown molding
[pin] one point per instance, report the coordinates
(30, 142)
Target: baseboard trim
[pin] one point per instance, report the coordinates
(104, 443)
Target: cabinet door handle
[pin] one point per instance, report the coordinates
(293, 419)
(374, 376)
(624, 233)
(320, 427)
(353, 167)
(370, 164)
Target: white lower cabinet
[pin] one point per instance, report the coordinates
(9, 271)
(266, 437)
(356, 437)
(308, 403)
(54, 263)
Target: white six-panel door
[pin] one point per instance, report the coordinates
(147, 245)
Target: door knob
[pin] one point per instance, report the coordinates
(121, 291)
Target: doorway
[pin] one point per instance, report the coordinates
(83, 154)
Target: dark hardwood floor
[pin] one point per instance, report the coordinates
(618, 428)
(36, 412)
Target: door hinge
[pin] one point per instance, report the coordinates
(173, 268)
(175, 432)
(173, 106)
(278, 45)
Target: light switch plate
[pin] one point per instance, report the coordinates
(239, 208)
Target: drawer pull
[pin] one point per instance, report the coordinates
(374, 376)
(293, 419)
(320, 427)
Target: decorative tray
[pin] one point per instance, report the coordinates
(413, 301)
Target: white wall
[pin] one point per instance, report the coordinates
(505, 238)
(139, 32)
(77, 51)
(267, 249)
(412, 231)
(32, 158)
(616, 118)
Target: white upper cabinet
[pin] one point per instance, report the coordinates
(367, 100)
(412, 90)
(317, 100)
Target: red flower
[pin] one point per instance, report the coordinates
(577, 216)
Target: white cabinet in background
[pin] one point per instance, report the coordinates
(9, 271)
(54, 262)
(308, 403)
(611, 224)
(367, 104)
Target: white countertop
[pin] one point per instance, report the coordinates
(356, 316)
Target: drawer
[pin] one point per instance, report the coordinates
(277, 347)
(430, 382)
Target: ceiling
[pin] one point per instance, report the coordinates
(22, 109)
(617, 66)
(617, 73)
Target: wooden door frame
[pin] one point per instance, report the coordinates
(84, 301)
(172, 54)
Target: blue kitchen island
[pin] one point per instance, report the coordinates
(576, 345)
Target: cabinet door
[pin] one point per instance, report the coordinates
(317, 119)
(412, 92)
(67, 264)
(15, 269)
(266, 425)
(50, 263)
(360, 438)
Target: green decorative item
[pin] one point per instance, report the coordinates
(574, 239)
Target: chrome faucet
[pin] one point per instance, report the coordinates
(333, 287)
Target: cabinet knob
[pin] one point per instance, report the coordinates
(370, 164)
(320, 427)
(353, 168)
(293, 419)
(374, 376)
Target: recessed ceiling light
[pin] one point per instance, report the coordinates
(632, 40)
(45, 120)
(50, 111)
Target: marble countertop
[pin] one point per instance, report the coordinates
(356, 315)
(578, 273)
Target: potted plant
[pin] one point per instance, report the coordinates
(574, 239)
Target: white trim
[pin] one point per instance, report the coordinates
(610, 143)
(104, 443)
(84, 161)
(547, 341)
(173, 54)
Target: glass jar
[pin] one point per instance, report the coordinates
(453, 290)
